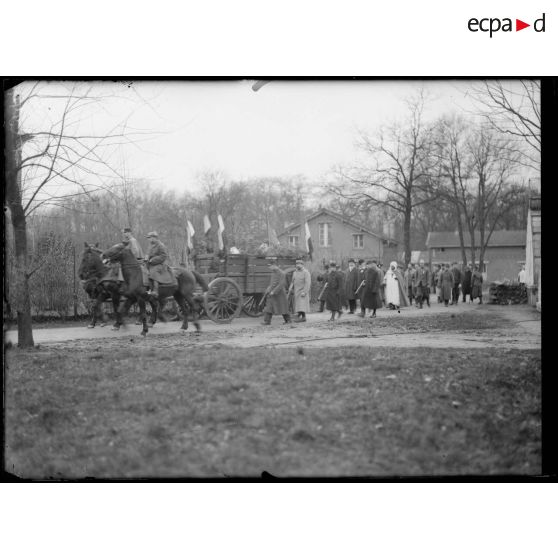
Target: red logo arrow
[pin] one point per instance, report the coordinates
(519, 25)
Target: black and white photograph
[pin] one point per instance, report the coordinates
(272, 278)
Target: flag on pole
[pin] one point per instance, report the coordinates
(272, 237)
(309, 245)
(190, 233)
(220, 232)
(206, 225)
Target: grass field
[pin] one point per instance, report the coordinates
(189, 412)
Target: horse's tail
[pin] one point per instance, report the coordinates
(201, 281)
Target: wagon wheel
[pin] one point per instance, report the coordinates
(223, 300)
(251, 305)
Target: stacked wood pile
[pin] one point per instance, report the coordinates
(507, 293)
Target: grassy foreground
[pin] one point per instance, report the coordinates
(216, 412)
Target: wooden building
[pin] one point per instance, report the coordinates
(335, 237)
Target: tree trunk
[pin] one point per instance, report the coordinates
(20, 292)
(407, 233)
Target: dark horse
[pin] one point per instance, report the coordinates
(136, 291)
(93, 273)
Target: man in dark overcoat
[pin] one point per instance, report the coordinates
(351, 285)
(456, 282)
(466, 283)
(361, 282)
(334, 294)
(446, 282)
(372, 296)
(322, 278)
(276, 301)
(157, 266)
(409, 274)
(422, 280)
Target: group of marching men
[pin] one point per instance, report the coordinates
(368, 284)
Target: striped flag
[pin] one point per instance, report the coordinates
(206, 225)
(220, 232)
(309, 245)
(190, 232)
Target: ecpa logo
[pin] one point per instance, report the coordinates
(492, 25)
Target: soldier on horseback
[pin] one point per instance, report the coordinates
(158, 268)
(132, 243)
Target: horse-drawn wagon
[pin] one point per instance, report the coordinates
(237, 282)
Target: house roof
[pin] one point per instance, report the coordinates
(339, 217)
(450, 239)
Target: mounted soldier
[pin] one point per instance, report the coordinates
(157, 266)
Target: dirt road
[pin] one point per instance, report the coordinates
(521, 329)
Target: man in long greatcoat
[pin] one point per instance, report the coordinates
(322, 278)
(300, 285)
(361, 283)
(476, 284)
(351, 285)
(334, 294)
(157, 265)
(466, 283)
(456, 282)
(409, 273)
(372, 296)
(422, 280)
(276, 301)
(446, 281)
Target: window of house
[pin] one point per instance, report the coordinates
(358, 241)
(293, 240)
(324, 234)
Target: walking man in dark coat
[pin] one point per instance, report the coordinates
(157, 266)
(372, 297)
(409, 281)
(351, 285)
(422, 280)
(334, 294)
(361, 282)
(276, 301)
(446, 283)
(322, 278)
(456, 282)
(466, 283)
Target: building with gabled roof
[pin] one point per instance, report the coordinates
(335, 237)
(503, 257)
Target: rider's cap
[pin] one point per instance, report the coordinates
(152, 234)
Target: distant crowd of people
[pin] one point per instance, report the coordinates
(364, 284)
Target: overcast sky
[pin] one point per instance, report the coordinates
(286, 128)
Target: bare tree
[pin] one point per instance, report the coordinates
(514, 110)
(399, 175)
(51, 159)
(477, 167)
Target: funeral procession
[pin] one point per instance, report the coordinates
(282, 278)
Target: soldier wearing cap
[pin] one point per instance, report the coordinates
(132, 243)
(157, 266)
(371, 296)
(276, 300)
(334, 295)
(300, 285)
(322, 278)
(351, 285)
(423, 284)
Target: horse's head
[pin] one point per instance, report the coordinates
(91, 264)
(115, 253)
